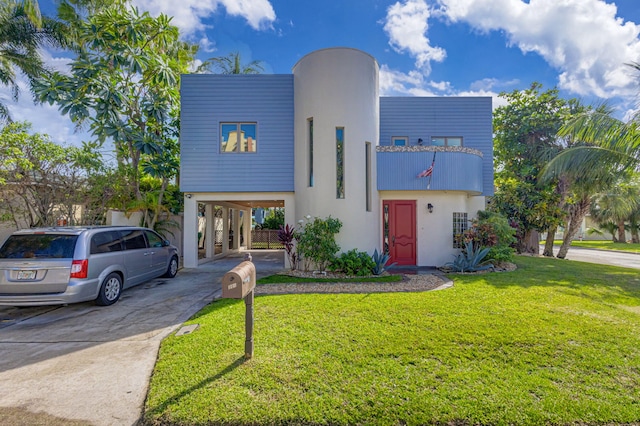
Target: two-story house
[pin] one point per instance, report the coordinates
(403, 174)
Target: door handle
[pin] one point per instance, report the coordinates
(393, 240)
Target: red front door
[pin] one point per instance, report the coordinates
(399, 231)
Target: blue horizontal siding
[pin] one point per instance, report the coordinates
(206, 101)
(453, 171)
(426, 117)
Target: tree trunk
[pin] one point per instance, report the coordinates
(548, 244)
(577, 212)
(531, 242)
(622, 238)
(634, 235)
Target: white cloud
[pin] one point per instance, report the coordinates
(396, 83)
(188, 14)
(583, 39)
(407, 25)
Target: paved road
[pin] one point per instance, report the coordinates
(83, 364)
(606, 257)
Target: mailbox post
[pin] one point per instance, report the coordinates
(239, 283)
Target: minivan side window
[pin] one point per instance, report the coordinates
(106, 242)
(134, 239)
(153, 239)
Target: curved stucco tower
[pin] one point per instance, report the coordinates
(336, 125)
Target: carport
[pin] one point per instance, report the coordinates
(224, 218)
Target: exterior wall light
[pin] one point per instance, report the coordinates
(430, 207)
(419, 141)
(189, 195)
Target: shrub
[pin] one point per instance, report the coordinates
(316, 241)
(493, 231)
(353, 262)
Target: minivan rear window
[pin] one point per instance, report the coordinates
(39, 246)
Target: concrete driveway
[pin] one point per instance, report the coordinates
(83, 364)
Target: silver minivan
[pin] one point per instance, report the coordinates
(50, 266)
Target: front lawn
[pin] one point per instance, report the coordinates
(555, 342)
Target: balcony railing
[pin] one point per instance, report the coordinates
(454, 168)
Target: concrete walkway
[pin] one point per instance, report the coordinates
(87, 365)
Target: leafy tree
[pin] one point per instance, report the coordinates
(41, 181)
(275, 219)
(124, 85)
(231, 64)
(525, 139)
(23, 30)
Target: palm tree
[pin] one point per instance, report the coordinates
(616, 205)
(22, 32)
(230, 64)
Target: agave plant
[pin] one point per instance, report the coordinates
(470, 260)
(380, 260)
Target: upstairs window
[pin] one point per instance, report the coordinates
(238, 137)
(446, 141)
(399, 140)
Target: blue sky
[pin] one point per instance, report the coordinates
(423, 47)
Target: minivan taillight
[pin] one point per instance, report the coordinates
(79, 268)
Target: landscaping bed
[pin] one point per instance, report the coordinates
(408, 283)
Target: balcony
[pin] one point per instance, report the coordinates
(456, 168)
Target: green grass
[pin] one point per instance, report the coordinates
(285, 279)
(555, 342)
(605, 245)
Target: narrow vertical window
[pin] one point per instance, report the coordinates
(339, 162)
(310, 124)
(460, 224)
(367, 162)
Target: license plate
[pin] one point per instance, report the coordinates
(26, 275)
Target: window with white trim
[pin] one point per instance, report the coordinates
(446, 140)
(460, 224)
(399, 140)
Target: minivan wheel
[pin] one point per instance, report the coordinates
(110, 290)
(172, 270)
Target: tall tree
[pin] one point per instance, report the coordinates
(124, 82)
(525, 138)
(230, 64)
(23, 30)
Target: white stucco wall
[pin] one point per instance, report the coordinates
(338, 87)
(435, 230)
